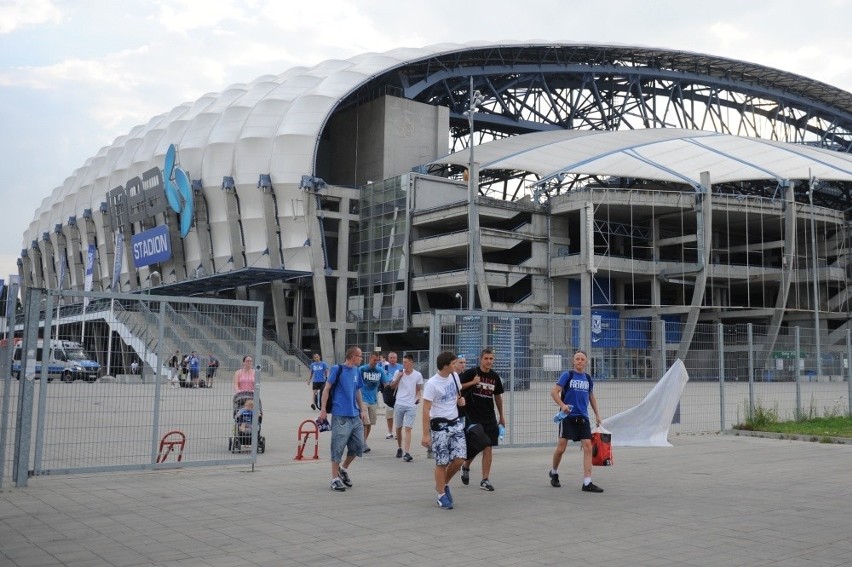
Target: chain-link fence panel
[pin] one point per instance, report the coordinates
(136, 381)
(734, 370)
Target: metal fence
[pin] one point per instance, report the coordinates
(734, 370)
(89, 390)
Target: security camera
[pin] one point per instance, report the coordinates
(257, 366)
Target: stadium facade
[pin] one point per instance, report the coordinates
(616, 182)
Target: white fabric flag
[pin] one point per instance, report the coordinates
(647, 424)
(90, 270)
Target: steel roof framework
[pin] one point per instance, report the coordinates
(529, 89)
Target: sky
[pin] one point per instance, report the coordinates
(75, 75)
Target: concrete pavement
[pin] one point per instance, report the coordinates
(715, 500)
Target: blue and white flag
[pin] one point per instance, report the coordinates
(90, 270)
(63, 270)
(116, 269)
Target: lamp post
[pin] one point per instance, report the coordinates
(476, 99)
(459, 297)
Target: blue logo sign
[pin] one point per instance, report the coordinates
(151, 247)
(178, 190)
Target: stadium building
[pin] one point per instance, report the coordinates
(352, 198)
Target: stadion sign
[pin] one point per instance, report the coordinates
(151, 247)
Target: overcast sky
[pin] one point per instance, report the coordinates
(75, 75)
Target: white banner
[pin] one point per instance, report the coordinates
(90, 270)
(63, 269)
(116, 269)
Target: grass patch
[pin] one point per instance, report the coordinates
(817, 427)
(832, 422)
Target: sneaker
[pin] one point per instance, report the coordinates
(444, 502)
(447, 493)
(407, 458)
(465, 476)
(399, 453)
(554, 479)
(389, 436)
(366, 448)
(486, 485)
(313, 406)
(337, 485)
(592, 487)
(344, 476)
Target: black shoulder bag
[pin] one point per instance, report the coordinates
(330, 401)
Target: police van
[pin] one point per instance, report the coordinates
(67, 361)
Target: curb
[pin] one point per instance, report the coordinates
(790, 436)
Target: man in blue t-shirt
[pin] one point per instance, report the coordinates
(319, 374)
(194, 367)
(573, 393)
(373, 376)
(348, 416)
(391, 369)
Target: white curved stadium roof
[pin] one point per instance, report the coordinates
(271, 125)
(663, 154)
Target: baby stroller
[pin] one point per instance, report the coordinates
(243, 417)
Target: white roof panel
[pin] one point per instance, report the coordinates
(667, 154)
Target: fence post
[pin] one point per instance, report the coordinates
(161, 354)
(798, 374)
(23, 428)
(721, 334)
(435, 341)
(513, 377)
(750, 372)
(663, 357)
(6, 362)
(45, 378)
(849, 370)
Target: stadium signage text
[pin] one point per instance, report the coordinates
(153, 193)
(151, 247)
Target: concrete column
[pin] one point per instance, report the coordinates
(202, 226)
(280, 313)
(232, 209)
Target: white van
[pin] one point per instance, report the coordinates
(67, 361)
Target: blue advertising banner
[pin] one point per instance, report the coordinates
(151, 247)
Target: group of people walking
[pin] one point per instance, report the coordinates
(454, 400)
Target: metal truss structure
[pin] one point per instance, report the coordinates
(535, 88)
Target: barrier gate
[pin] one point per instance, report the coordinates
(89, 387)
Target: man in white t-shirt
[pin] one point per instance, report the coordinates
(408, 384)
(443, 431)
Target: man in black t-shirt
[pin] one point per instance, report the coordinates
(483, 390)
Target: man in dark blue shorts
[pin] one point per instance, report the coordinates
(573, 394)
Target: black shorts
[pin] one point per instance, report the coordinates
(575, 428)
(318, 385)
(493, 431)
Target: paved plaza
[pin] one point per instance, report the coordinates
(717, 500)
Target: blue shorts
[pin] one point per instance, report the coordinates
(403, 416)
(346, 432)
